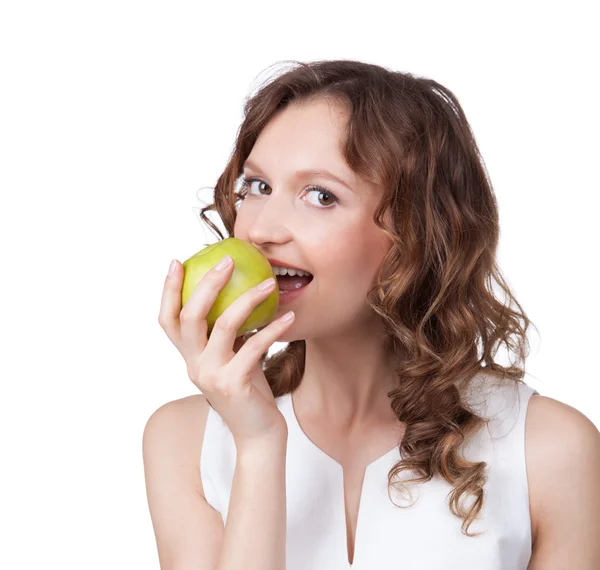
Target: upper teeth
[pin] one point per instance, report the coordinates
(291, 272)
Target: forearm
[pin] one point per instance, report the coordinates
(255, 531)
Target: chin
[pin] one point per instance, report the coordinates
(289, 336)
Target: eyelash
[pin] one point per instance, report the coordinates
(247, 181)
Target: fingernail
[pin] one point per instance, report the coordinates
(172, 267)
(287, 317)
(266, 284)
(223, 263)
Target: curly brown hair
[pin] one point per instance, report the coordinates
(434, 291)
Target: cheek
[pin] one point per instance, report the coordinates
(362, 250)
(350, 268)
(240, 230)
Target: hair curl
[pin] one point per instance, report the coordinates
(434, 291)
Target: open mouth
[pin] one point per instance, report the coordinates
(289, 283)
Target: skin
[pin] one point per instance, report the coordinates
(347, 375)
(342, 402)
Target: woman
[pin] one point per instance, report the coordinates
(384, 435)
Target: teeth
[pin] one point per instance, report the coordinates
(291, 272)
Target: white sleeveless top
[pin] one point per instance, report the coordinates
(425, 535)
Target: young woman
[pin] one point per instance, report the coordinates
(384, 435)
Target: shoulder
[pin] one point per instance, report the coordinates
(563, 470)
(188, 414)
(175, 431)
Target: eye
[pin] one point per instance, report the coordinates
(246, 186)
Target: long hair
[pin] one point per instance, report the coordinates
(434, 291)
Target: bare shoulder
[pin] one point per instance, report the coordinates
(563, 470)
(181, 423)
(188, 530)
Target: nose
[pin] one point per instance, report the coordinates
(271, 220)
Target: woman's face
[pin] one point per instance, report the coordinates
(329, 232)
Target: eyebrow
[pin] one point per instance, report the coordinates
(307, 173)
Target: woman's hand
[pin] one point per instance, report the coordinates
(232, 380)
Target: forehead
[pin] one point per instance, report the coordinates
(304, 136)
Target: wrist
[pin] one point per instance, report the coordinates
(267, 447)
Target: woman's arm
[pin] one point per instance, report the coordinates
(190, 534)
(563, 465)
(255, 531)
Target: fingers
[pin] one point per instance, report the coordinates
(249, 354)
(193, 315)
(170, 304)
(223, 336)
(187, 326)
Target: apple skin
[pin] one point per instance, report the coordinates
(251, 267)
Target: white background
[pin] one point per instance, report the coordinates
(113, 114)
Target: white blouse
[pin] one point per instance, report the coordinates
(424, 536)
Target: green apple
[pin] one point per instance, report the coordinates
(251, 267)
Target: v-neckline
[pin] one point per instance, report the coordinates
(288, 400)
(294, 417)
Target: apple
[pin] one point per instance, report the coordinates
(251, 267)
